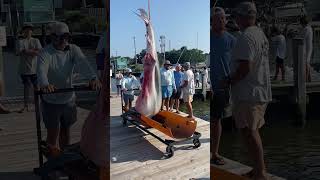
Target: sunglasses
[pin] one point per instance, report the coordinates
(65, 36)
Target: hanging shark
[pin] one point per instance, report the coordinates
(149, 100)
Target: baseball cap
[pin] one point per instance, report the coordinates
(187, 64)
(218, 11)
(129, 70)
(246, 9)
(27, 25)
(60, 28)
(167, 62)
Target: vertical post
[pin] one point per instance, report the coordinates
(135, 49)
(204, 89)
(1, 73)
(38, 125)
(299, 69)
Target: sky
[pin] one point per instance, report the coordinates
(178, 20)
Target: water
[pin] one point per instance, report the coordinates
(290, 152)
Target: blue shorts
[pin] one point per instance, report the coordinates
(166, 91)
(128, 98)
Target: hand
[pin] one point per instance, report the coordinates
(95, 84)
(48, 89)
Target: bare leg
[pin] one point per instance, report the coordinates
(277, 72)
(171, 103)
(308, 75)
(189, 107)
(217, 130)
(64, 137)
(167, 104)
(52, 136)
(162, 104)
(254, 143)
(282, 71)
(177, 105)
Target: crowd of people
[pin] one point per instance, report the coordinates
(240, 77)
(178, 82)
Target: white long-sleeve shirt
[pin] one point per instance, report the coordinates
(56, 67)
(167, 78)
(130, 83)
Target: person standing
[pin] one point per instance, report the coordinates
(119, 78)
(280, 51)
(168, 85)
(222, 43)
(176, 96)
(28, 49)
(308, 44)
(250, 84)
(197, 76)
(188, 88)
(128, 85)
(55, 66)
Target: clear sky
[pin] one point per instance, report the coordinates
(178, 20)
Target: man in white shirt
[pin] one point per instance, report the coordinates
(250, 83)
(188, 88)
(129, 83)
(308, 44)
(197, 76)
(119, 78)
(279, 42)
(28, 49)
(168, 85)
(55, 67)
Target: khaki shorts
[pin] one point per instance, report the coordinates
(187, 98)
(249, 115)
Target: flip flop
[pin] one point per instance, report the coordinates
(218, 161)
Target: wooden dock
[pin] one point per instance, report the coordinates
(232, 170)
(136, 155)
(18, 144)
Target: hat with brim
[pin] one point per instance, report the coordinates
(246, 9)
(167, 62)
(27, 26)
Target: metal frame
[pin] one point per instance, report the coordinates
(37, 98)
(133, 117)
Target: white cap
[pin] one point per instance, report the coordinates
(59, 28)
(129, 70)
(218, 11)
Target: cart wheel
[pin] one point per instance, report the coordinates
(170, 151)
(196, 143)
(124, 122)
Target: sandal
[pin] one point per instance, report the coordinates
(218, 161)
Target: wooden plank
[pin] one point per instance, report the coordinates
(136, 155)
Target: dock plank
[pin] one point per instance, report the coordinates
(137, 155)
(18, 144)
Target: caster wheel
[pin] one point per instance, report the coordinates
(170, 151)
(124, 123)
(196, 143)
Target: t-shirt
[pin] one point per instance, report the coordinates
(308, 46)
(167, 78)
(280, 44)
(28, 64)
(119, 77)
(56, 67)
(220, 58)
(197, 76)
(178, 77)
(130, 83)
(190, 88)
(253, 46)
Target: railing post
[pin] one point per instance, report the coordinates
(299, 68)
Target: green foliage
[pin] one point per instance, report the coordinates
(189, 55)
